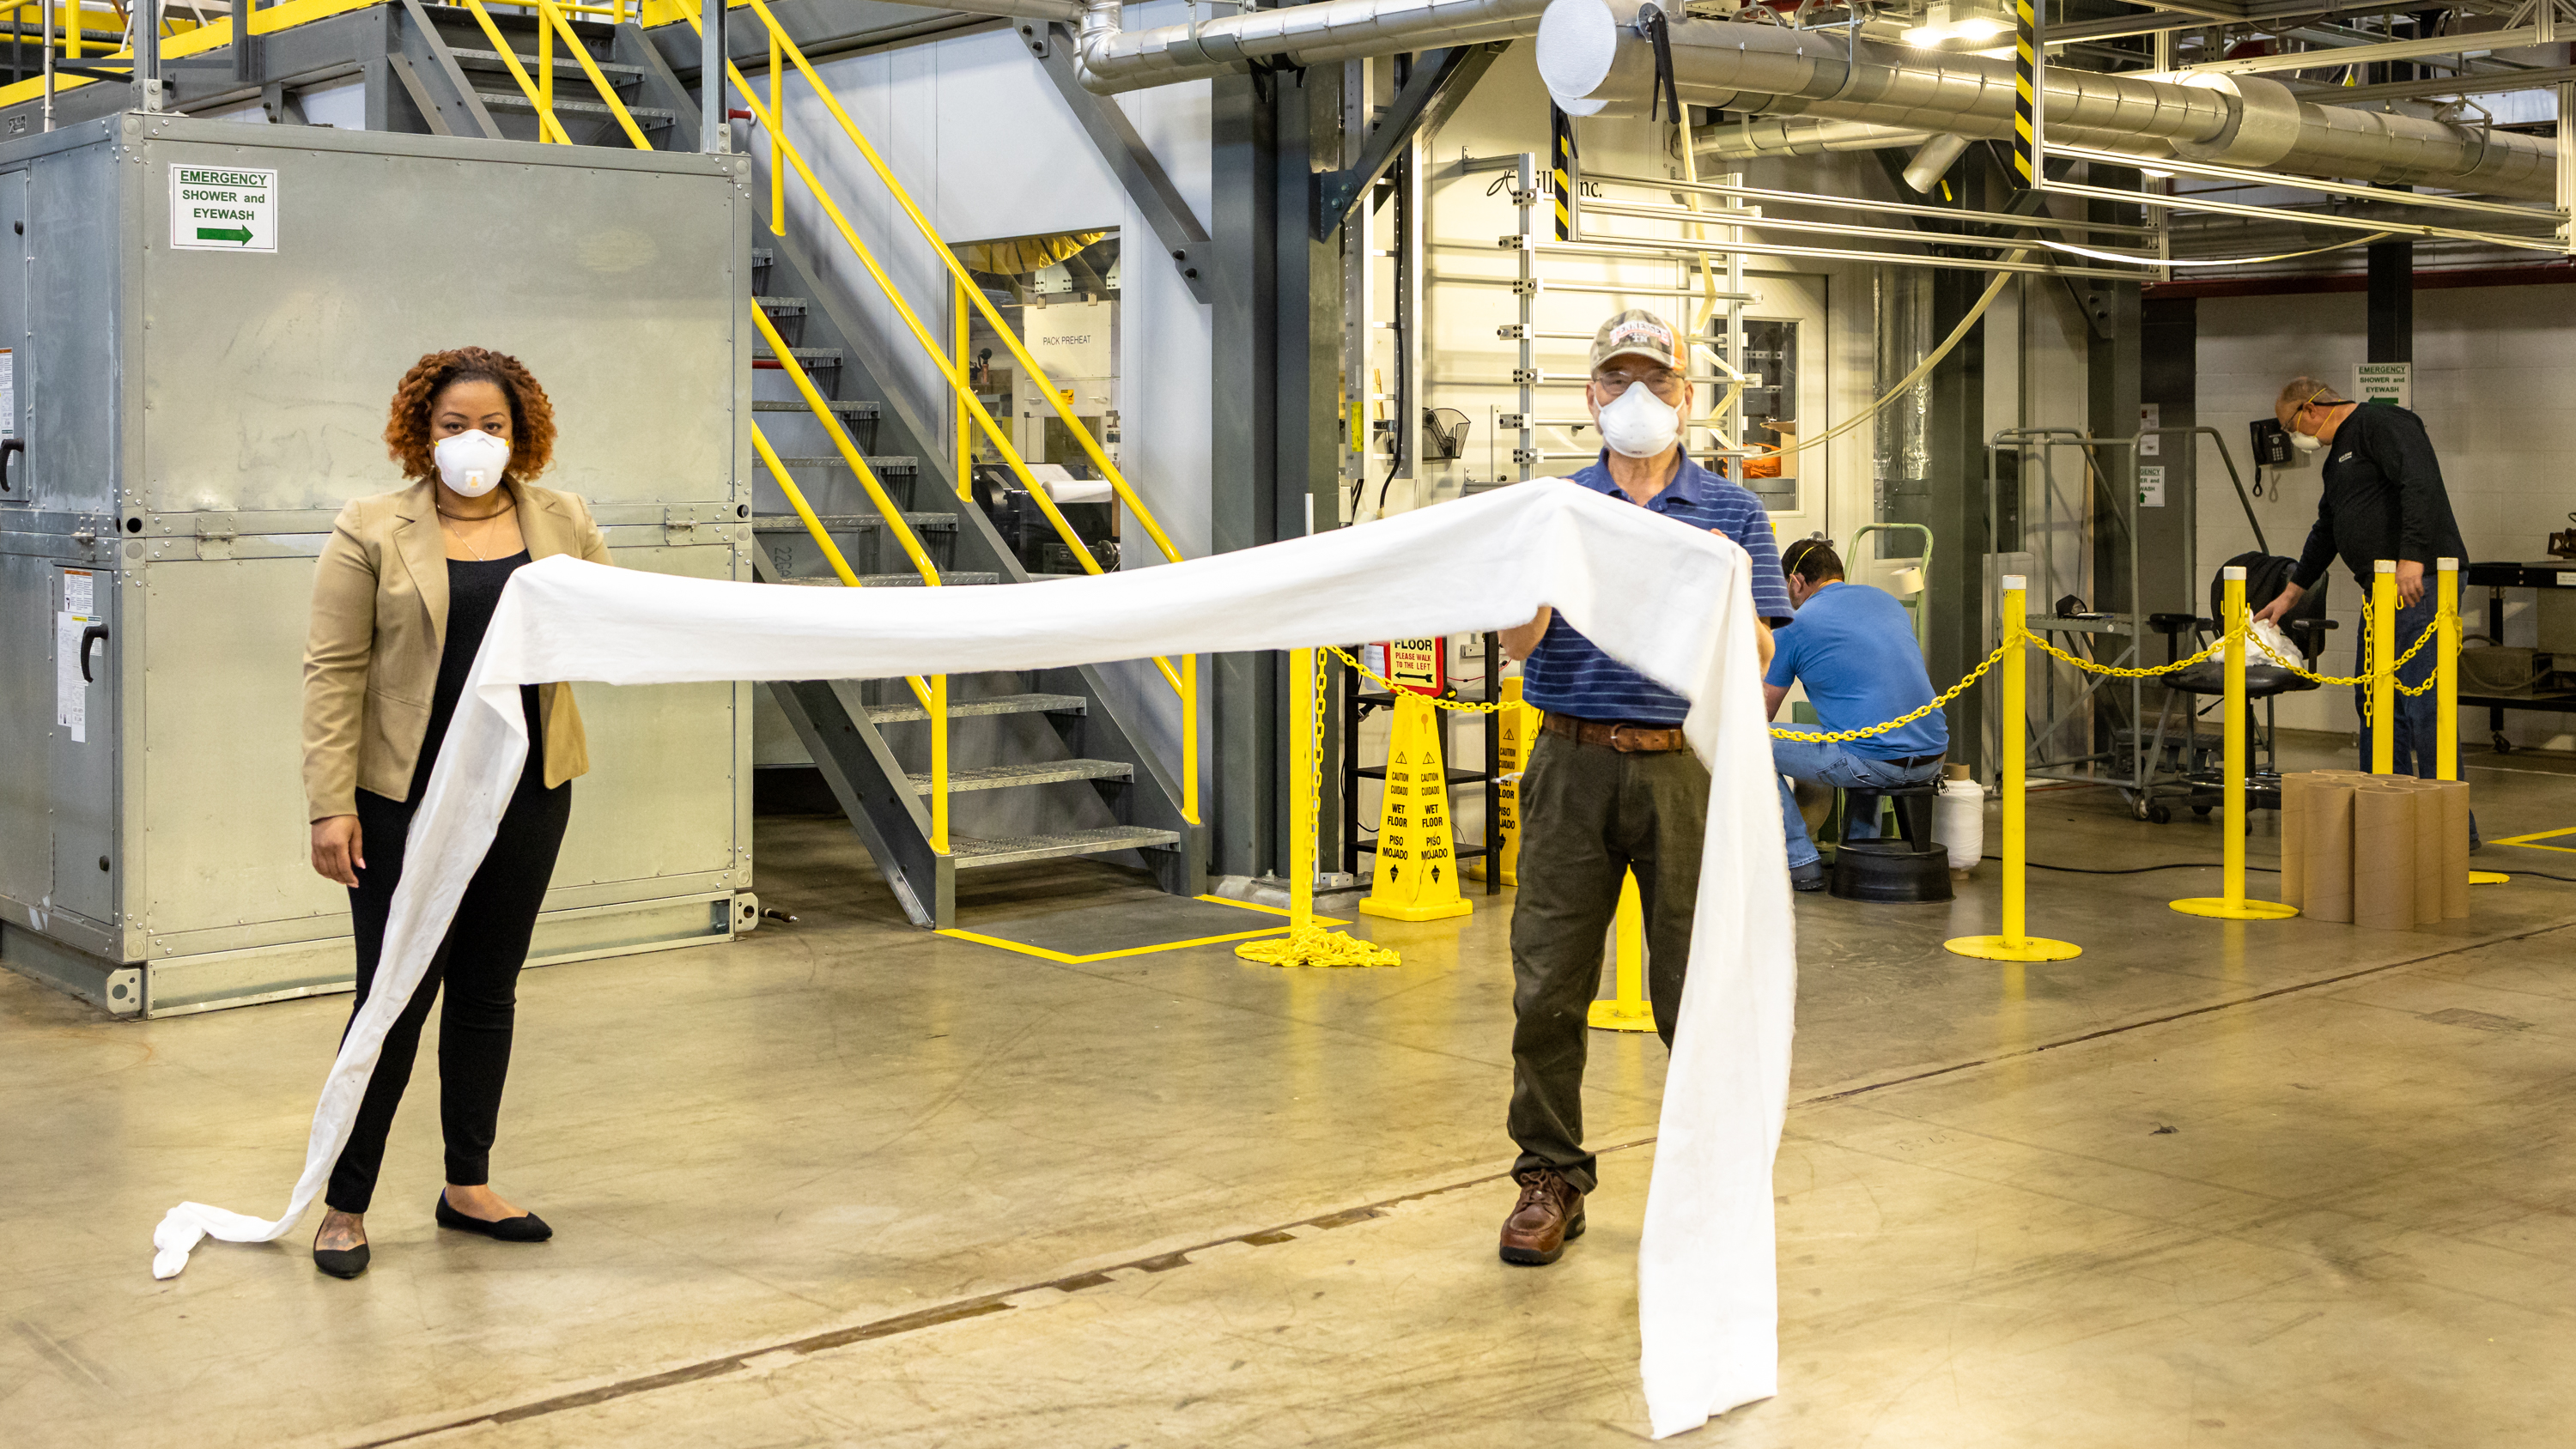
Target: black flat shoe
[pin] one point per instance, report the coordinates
(525, 1228)
(341, 1262)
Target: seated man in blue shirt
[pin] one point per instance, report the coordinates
(1610, 786)
(1854, 649)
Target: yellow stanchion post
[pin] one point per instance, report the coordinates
(1627, 1011)
(2446, 668)
(2446, 691)
(1417, 860)
(2382, 669)
(2233, 906)
(2014, 944)
(1307, 944)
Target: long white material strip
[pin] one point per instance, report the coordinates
(1670, 601)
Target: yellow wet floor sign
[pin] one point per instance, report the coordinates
(1417, 858)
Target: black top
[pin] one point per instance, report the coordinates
(2383, 498)
(473, 592)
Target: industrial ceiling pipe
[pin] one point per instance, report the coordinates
(1116, 59)
(1111, 58)
(1596, 60)
(1932, 162)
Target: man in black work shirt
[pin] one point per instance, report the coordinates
(2383, 499)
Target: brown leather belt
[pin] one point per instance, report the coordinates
(1627, 739)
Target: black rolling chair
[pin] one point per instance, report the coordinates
(2201, 783)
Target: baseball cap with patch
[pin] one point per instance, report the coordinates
(1641, 332)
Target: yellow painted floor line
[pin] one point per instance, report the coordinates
(2532, 841)
(1068, 959)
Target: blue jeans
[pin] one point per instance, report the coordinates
(2419, 716)
(1832, 764)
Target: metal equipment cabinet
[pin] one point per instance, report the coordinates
(186, 411)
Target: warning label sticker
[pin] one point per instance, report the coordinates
(222, 209)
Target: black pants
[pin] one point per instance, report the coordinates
(479, 962)
(1589, 815)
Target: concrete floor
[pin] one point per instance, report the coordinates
(2283, 1184)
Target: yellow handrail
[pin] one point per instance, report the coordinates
(956, 380)
(965, 334)
(930, 345)
(849, 450)
(932, 692)
(1184, 682)
(590, 69)
(957, 269)
(548, 128)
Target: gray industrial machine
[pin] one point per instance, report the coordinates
(198, 343)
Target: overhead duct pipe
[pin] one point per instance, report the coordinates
(1933, 162)
(1114, 59)
(1595, 61)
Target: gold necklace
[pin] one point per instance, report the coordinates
(461, 537)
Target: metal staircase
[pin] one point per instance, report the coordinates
(937, 776)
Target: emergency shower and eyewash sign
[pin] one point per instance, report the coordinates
(222, 209)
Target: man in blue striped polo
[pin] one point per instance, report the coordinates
(1610, 786)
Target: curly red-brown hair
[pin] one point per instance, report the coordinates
(532, 418)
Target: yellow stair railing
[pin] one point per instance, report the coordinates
(931, 691)
(947, 356)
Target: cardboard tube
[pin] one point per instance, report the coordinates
(2454, 795)
(2428, 850)
(2383, 857)
(2326, 893)
(2294, 829)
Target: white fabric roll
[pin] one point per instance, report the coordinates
(1672, 602)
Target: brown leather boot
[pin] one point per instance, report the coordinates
(1548, 1216)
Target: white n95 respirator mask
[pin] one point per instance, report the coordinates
(2305, 442)
(471, 462)
(1638, 424)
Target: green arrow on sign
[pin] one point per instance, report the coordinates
(220, 233)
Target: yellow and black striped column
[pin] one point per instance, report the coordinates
(1561, 170)
(2026, 90)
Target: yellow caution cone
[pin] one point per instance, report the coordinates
(1515, 727)
(1417, 861)
(1629, 1010)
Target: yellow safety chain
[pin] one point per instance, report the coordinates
(1312, 945)
(2363, 678)
(2115, 671)
(1463, 706)
(1836, 736)
(2122, 672)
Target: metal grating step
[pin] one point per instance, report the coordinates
(971, 852)
(952, 578)
(882, 463)
(998, 704)
(779, 304)
(850, 522)
(853, 408)
(514, 101)
(564, 65)
(1048, 772)
(819, 356)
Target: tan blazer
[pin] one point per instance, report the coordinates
(379, 624)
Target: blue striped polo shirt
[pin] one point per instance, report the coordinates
(1568, 674)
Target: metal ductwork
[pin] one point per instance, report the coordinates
(1595, 61)
(1115, 59)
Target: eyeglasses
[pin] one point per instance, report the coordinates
(1663, 382)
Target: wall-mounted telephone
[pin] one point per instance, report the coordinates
(2271, 443)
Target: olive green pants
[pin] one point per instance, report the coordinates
(1590, 814)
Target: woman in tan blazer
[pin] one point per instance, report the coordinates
(406, 589)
